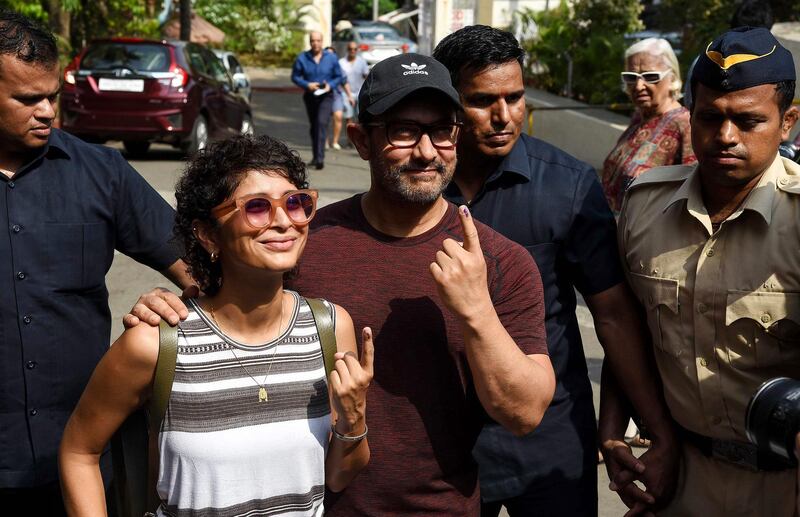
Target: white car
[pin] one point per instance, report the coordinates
(241, 82)
(375, 42)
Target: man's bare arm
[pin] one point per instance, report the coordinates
(514, 388)
(178, 275)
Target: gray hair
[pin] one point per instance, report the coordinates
(660, 47)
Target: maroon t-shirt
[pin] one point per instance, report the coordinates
(422, 409)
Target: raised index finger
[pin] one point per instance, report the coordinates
(471, 242)
(367, 351)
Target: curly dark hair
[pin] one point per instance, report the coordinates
(26, 40)
(211, 177)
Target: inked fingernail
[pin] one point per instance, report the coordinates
(465, 210)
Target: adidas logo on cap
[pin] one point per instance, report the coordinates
(414, 68)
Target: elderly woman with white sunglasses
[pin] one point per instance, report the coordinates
(659, 132)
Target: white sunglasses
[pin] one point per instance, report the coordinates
(648, 77)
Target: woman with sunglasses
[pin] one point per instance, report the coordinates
(659, 132)
(250, 427)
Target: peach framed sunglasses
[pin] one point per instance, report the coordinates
(258, 210)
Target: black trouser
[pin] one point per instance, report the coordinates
(40, 500)
(566, 498)
(44, 500)
(319, 109)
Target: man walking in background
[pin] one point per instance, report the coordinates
(355, 68)
(318, 73)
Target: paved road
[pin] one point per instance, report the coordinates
(281, 114)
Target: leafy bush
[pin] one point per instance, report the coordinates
(263, 32)
(361, 9)
(33, 10)
(589, 34)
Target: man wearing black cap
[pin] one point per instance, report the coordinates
(458, 328)
(456, 309)
(712, 252)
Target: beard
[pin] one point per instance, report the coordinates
(394, 181)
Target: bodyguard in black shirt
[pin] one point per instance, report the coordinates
(65, 206)
(551, 203)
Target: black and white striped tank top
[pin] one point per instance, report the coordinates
(224, 451)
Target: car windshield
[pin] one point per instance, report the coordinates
(377, 34)
(135, 56)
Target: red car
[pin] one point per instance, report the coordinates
(142, 91)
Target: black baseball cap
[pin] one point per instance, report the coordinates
(742, 58)
(395, 78)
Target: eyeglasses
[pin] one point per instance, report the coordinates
(406, 134)
(258, 210)
(648, 77)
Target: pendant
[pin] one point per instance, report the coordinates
(262, 394)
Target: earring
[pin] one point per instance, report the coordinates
(214, 256)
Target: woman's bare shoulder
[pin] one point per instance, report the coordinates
(137, 346)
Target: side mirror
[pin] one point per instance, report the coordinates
(240, 81)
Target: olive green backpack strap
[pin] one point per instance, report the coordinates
(165, 374)
(134, 447)
(327, 334)
(157, 406)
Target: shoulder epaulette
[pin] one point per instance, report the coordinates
(668, 174)
(789, 181)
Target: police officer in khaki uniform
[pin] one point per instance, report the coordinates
(713, 253)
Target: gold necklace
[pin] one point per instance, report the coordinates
(263, 396)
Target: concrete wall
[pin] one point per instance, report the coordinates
(589, 135)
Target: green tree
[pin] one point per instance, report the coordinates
(34, 10)
(700, 21)
(263, 31)
(360, 9)
(578, 48)
(75, 22)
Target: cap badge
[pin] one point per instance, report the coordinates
(414, 68)
(733, 59)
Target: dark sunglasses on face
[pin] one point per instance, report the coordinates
(648, 77)
(258, 210)
(406, 134)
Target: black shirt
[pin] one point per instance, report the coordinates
(553, 205)
(61, 217)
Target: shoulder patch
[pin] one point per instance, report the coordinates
(789, 181)
(668, 174)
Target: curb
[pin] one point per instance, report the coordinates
(278, 89)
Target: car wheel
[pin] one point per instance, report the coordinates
(247, 126)
(136, 147)
(198, 140)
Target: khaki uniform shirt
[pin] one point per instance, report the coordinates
(723, 308)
